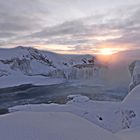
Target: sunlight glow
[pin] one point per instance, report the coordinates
(106, 51)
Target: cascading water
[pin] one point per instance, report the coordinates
(85, 73)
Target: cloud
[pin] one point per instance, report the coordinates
(18, 18)
(42, 22)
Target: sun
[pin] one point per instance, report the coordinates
(106, 51)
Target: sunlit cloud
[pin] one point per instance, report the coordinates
(107, 51)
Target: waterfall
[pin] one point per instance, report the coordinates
(85, 73)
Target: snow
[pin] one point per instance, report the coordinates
(133, 96)
(112, 116)
(50, 126)
(16, 80)
(25, 65)
(131, 134)
(131, 104)
(78, 119)
(121, 119)
(83, 107)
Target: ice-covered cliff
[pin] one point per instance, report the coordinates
(32, 62)
(134, 69)
(130, 105)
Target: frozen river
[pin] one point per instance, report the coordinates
(29, 94)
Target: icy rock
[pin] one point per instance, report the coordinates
(127, 117)
(134, 69)
(3, 73)
(77, 99)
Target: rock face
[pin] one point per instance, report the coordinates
(134, 69)
(130, 106)
(127, 118)
(31, 62)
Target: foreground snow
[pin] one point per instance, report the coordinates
(112, 116)
(50, 126)
(96, 112)
(79, 119)
(131, 134)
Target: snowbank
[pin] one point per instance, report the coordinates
(104, 114)
(133, 96)
(131, 134)
(50, 126)
(16, 80)
(75, 120)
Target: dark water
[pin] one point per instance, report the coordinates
(29, 94)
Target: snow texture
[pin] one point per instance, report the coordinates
(50, 126)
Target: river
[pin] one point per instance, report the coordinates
(30, 94)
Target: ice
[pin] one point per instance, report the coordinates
(29, 62)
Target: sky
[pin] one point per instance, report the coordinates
(71, 26)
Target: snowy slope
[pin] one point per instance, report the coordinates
(113, 116)
(131, 134)
(104, 114)
(50, 126)
(121, 118)
(130, 105)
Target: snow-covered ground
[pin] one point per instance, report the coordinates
(50, 126)
(16, 80)
(95, 112)
(113, 116)
(55, 121)
(131, 134)
(79, 119)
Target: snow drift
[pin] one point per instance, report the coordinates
(50, 126)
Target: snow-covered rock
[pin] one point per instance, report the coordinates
(130, 105)
(134, 69)
(130, 108)
(77, 99)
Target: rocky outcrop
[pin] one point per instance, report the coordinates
(3, 73)
(127, 118)
(22, 65)
(134, 69)
(35, 54)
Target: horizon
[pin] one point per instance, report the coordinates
(96, 54)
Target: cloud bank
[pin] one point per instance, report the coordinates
(53, 23)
